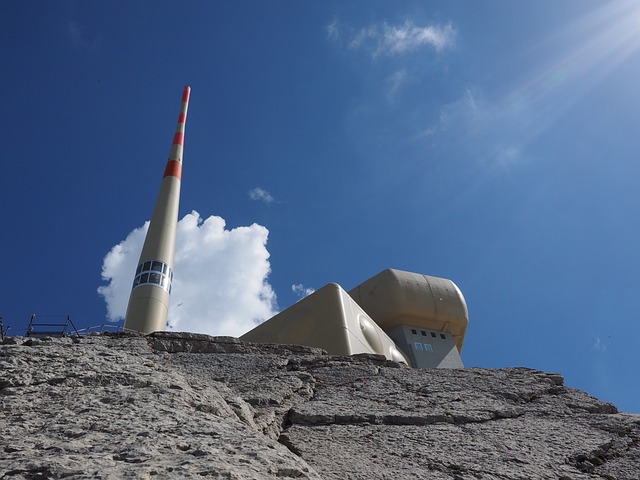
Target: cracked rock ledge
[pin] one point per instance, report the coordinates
(180, 405)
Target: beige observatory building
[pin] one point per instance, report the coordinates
(407, 317)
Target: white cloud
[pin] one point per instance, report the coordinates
(462, 111)
(117, 269)
(396, 81)
(301, 291)
(490, 132)
(221, 277)
(386, 39)
(599, 345)
(261, 195)
(399, 39)
(333, 31)
(364, 37)
(462, 117)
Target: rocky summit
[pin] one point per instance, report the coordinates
(177, 405)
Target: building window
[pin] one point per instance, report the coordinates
(424, 334)
(442, 336)
(156, 266)
(433, 335)
(418, 346)
(414, 331)
(428, 347)
(153, 273)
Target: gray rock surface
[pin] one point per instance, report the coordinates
(192, 406)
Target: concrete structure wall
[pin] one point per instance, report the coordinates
(427, 348)
(404, 316)
(393, 298)
(328, 319)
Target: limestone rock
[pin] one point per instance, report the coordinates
(193, 406)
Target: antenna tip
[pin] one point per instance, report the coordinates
(186, 93)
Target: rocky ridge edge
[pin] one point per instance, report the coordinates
(190, 405)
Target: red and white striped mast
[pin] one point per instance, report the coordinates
(149, 299)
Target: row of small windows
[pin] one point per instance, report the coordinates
(154, 272)
(154, 266)
(419, 347)
(424, 334)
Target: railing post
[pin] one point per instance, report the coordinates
(30, 327)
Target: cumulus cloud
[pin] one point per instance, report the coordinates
(221, 277)
(388, 39)
(301, 291)
(261, 195)
(117, 269)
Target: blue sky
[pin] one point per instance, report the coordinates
(492, 143)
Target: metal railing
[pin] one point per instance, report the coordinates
(41, 326)
(3, 331)
(52, 328)
(103, 328)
